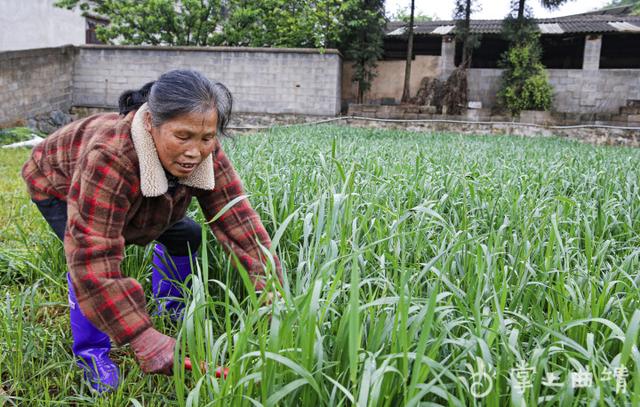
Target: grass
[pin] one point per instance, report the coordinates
(16, 134)
(415, 263)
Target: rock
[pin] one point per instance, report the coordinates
(49, 122)
(32, 123)
(46, 127)
(58, 118)
(430, 93)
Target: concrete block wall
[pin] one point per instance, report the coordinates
(575, 90)
(35, 82)
(447, 57)
(389, 79)
(592, 47)
(483, 85)
(603, 91)
(261, 80)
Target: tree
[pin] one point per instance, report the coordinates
(354, 27)
(258, 23)
(521, 10)
(463, 31)
(406, 93)
(284, 23)
(634, 3)
(361, 39)
(404, 14)
(615, 3)
(518, 24)
(155, 22)
(456, 89)
(525, 84)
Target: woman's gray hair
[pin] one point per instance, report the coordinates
(178, 92)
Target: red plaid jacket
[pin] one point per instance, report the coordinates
(107, 172)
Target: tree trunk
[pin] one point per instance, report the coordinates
(466, 52)
(521, 10)
(406, 93)
(360, 98)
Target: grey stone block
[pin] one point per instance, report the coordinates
(97, 76)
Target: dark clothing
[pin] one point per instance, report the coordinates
(54, 212)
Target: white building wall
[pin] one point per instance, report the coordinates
(27, 24)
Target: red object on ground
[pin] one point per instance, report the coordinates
(220, 371)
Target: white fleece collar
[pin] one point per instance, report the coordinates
(153, 180)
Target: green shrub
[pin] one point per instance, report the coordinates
(525, 84)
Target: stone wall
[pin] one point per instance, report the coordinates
(575, 90)
(592, 47)
(589, 134)
(262, 80)
(404, 112)
(389, 80)
(605, 90)
(483, 85)
(35, 82)
(239, 122)
(629, 116)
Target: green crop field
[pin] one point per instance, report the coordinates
(421, 270)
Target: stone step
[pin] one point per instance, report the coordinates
(633, 102)
(620, 118)
(627, 119)
(630, 110)
(603, 117)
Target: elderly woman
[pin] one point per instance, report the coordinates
(111, 180)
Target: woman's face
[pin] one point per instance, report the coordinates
(183, 142)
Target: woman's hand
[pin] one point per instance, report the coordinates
(154, 352)
(271, 297)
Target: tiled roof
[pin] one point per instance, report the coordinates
(559, 25)
(615, 10)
